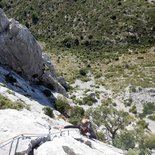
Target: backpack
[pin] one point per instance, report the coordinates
(84, 128)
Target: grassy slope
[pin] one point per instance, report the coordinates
(88, 24)
(111, 36)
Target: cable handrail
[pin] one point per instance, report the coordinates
(26, 136)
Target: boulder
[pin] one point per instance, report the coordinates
(21, 52)
(4, 21)
(63, 82)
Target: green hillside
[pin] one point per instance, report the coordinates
(91, 25)
(111, 38)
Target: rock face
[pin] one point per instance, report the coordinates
(20, 51)
(31, 124)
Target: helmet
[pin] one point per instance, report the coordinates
(84, 120)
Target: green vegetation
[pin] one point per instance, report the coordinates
(126, 140)
(76, 32)
(77, 113)
(11, 92)
(100, 136)
(136, 73)
(152, 117)
(150, 142)
(107, 102)
(63, 106)
(111, 118)
(48, 111)
(148, 108)
(133, 109)
(83, 71)
(8, 104)
(74, 114)
(88, 100)
(82, 23)
(142, 124)
(128, 102)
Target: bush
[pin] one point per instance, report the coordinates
(152, 117)
(74, 120)
(48, 111)
(83, 71)
(133, 89)
(89, 100)
(63, 107)
(107, 102)
(8, 104)
(100, 136)
(148, 108)
(35, 18)
(133, 152)
(70, 42)
(125, 140)
(133, 109)
(142, 123)
(77, 112)
(128, 102)
(150, 142)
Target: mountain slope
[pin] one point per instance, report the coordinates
(36, 125)
(88, 24)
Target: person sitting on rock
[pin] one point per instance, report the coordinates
(85, 128)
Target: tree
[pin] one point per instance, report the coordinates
(111, 118)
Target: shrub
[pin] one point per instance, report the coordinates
(77, 112)
(74, 120)
(150, 142)
(133, 89)
(78, 101)
(48, 111)
(89, 100)
(83, 71)
(142, 123)
(35, 18)
(10, 92)
(114, 104)
(100, 136)
(133, 109)
(8, 104)
(128, 102)
(70, 42)
(133, 152)
(62, 106)
(125, 140)
(107, 102)
(152, 117)
(148, 108)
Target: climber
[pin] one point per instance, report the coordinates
(85, 128)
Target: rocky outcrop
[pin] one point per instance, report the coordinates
(20, 51)
(36, 125)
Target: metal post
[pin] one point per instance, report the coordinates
(60, 133)
(16, 145)
(11, 147)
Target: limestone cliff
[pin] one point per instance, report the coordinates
(20, 51)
